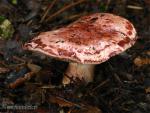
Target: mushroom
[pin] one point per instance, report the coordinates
(90, 40)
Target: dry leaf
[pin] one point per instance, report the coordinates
(147, 90)
(148, 52)
(4, 70)
(34, 68)
(141, 61)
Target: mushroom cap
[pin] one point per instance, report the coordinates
(91, 39)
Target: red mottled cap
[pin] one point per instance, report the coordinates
(91, 39)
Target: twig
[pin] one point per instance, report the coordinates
(21, 80)
(19, 59)
(134, 7)
(34, 69)
(4, 70)
(72, 17)
(63, 9)
(107, 5)
(101, 84)
(62, 102)
(47, 10)
(118, 79)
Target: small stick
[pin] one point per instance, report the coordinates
(21, 80)
(62, 102)
(107, 5)
(4, 70)
(115, 75)
(118, 79)
(134, 7)
(63, 9)
(72, 17)
(101, 84)
(34, 69)
(47, 10)
(19, 59)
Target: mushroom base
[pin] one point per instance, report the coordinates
(76, 71)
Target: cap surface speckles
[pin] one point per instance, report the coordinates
(91, 39)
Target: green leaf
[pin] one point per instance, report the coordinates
(14, 2)
(2, 18)
(102, 7)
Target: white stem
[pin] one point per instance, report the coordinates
(79, 71)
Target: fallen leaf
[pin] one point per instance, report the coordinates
(34, 68)
(4, 70)
(147, 90)
(141, 61)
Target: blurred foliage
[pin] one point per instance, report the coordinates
(2, 18)
(6, 29)
(14, 2)
(102, 7)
